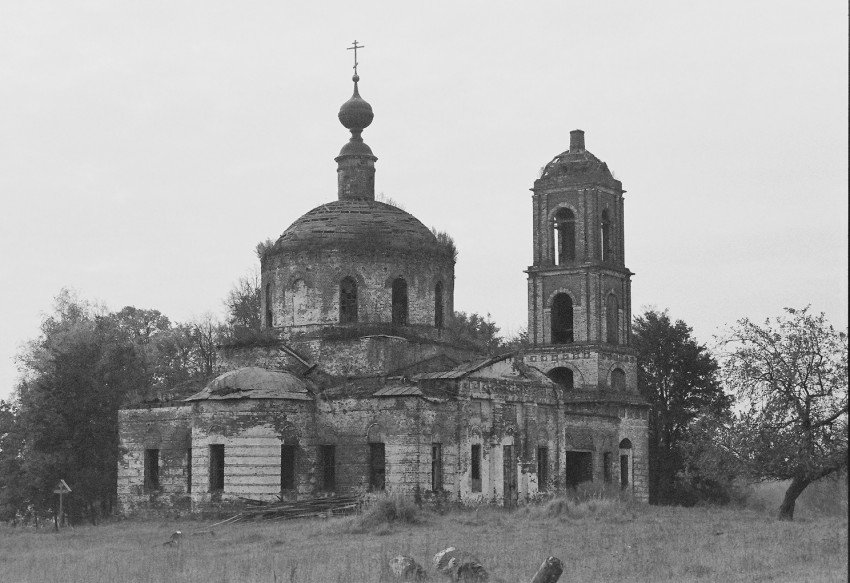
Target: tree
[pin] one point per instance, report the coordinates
(85, 365)
(477, 332)
(790, 375)
(243, 308)
(678, 376)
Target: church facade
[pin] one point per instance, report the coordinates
(363, 388)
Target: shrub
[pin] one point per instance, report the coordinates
(384, 512)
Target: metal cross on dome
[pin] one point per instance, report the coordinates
(355, 47)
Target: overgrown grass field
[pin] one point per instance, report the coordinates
(597, 539)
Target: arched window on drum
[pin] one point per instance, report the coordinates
(399, 308)
(348, 301)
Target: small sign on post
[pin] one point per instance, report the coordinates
(61, 488)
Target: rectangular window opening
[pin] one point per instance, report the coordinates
(327, 454)
(287, 467)
(189, 471)
(542, 469)
(377, 466)
(151, 469)
(607, 467)
(475, 469)
(217, 468)
(624, 471)
(436, 467)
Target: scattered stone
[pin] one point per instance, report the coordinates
(549, 572)
(174, 540)
(461, 566)
(407, 569)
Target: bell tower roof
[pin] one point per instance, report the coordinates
(577, 166)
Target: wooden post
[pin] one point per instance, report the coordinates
(61, 488)
(549, 572)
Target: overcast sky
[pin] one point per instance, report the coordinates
(146, 147)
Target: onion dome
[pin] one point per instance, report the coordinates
(356, 113)
(578, 166)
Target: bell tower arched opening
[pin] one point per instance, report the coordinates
(565, 236)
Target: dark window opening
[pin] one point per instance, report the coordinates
(189, 471)
(151, 469)
(377, 466)
(475, 468)
(347, 301)
(327, 453)
(542, 468)
(399, 302)
(563, 376)
(287, 467)
(618, 380)
(562, 319)
(438, 306)
(436, 467)
(565, 236)
(269, 317)
(624, 470)
(625, 444)
(579, 466)
(605, 236)
(612, 320)
(216, 468)
(607, 467)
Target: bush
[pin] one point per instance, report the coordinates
(384, 512)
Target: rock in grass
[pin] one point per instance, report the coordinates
(407, 569)
(458, 565)
(549, 572)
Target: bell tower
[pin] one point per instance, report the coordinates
(579, 289)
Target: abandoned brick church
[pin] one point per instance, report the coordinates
(365, 389)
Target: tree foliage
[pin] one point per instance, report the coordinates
(85, 365)
(679, 378)
(476, 332)
(243, 302)
(790, 375)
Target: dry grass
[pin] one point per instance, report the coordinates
(598, 540)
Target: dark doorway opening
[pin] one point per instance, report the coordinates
(579, 466)
(509, 467)
(287, 467)
(216, 468)
(562, 319)
(151, 469)
(542, 468)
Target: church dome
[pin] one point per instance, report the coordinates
(356, 225)
(252, 382)
(578, 166)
